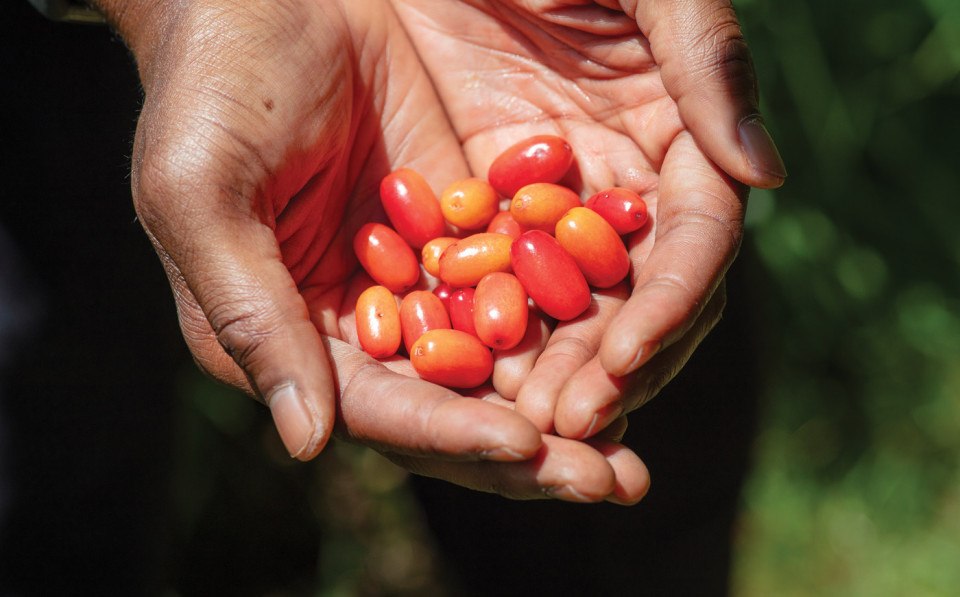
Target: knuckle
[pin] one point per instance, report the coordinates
(709, 220)
(243, 332)
(193, 166)
(719, 49)
(571, 347)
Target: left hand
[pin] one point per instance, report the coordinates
(620, 83)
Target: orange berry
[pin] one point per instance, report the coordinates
(540, 206)
(378, 322)
(451, 358)
(469, 204)
(594, 245)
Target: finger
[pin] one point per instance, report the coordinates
(593, 399)
(661, 369)
(243, 318)
(698, 232)
(562, 469)
(571, 345)
(511, 367)
(396, 413)
(589, 401)
(615, 431)
(632, 476)
(707, 68)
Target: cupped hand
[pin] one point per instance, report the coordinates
(265, 131)
(655, 96)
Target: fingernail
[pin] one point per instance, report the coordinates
(603, 417)
(502, 455)
(567, 493)
(293, 420)
(645, 353)
(759, 146)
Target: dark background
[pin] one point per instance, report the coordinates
(123, 469)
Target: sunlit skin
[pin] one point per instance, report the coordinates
(539, 206)
(265, 132)
(587, 73)
(420, 312)
(412, 207)
(542, 158)
(378, 322)
(470, 259)
(500, 310)
(594, 245)
(452, 358)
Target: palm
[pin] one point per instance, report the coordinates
(506, 69)
(259, 152)
(376, 123)
(516, 73)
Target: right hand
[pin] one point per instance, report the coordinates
(266, 128)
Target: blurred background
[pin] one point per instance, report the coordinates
(855, 482)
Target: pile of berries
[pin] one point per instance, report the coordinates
(546, 251)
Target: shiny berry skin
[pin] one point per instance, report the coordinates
(504, 223)
(451, 358)
(543, 158)
(540, 206)
(420, 312)
(412, 207)
(469, 204)
(469, 259)
(549, 275)
(386, 257)
(443, 292)
(431, 252)
(500, 310)
(623, 209)
(378, 322)
(595, 246)
(461, 309)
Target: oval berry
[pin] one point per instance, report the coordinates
(623, 209)
(378, 322)
(411, 206)
(469, 204)
(549, 275)
(540, 206)
(594, 245)
(443, 292)
(420, 312)
(543, 158)
(461, 309)
(431, 252)
(469, 259)
(500, 310)
(451, 358)
(386, 257)
(504, 223)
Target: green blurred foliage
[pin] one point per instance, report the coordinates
(856, 487)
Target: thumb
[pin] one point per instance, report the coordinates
(240, 311)
(707, 68)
